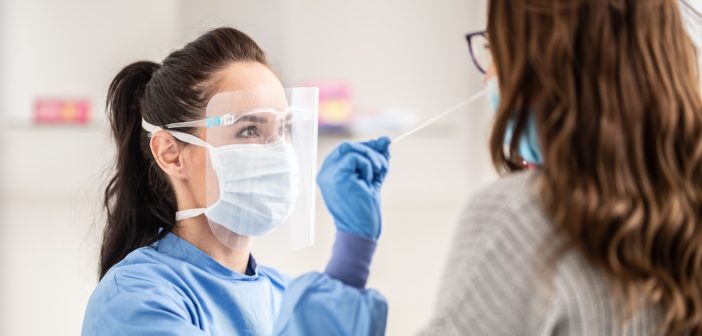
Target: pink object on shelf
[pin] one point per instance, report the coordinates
(335, 106)
(61, 111)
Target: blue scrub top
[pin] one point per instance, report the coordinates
(174, 288)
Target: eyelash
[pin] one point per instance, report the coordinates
(249, 128)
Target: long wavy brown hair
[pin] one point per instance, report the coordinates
(613, 87)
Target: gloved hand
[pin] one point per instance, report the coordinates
(350, 180)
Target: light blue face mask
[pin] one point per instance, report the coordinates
(528, 148)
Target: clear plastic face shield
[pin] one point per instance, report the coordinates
(259, 168)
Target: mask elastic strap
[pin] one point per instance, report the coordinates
(185, 137)
(189, 213)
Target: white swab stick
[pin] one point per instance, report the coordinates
(438, 116)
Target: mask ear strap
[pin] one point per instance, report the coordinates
(189, 213)
(185, 137)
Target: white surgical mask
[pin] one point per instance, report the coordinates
(258, 185)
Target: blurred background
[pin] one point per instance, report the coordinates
(383, 66)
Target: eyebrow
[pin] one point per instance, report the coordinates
(251, 118)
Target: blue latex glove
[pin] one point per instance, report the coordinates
(350, 180)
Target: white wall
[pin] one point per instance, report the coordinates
(262, 20)
(72, 49)
(50, 176)
(3, 93)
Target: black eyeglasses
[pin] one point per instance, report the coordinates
(479, 50)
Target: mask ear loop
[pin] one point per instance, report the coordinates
(189, 213)
(185, 137)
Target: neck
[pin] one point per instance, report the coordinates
(197, 231)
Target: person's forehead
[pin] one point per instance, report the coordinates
(245, 102)
(247, 85)
(248, 76)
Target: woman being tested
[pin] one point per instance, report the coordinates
(603, 236)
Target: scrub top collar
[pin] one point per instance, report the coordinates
(180, 249)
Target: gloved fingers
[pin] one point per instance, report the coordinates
(381, 145)
(380, 178)
(369, 178)
(334, 156)
(380, 162)
(341, 167)
(337, 153)
(369, 149)
(329, 169)
(356, 164)
(331, 158)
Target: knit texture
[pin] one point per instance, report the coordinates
(499, 281)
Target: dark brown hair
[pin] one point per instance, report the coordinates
(139, 200)
(613, 87)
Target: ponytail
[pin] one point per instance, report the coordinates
(138, 199)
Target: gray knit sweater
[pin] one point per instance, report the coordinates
(495, 284)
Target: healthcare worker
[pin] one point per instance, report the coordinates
(595, 227)
(214, 158)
